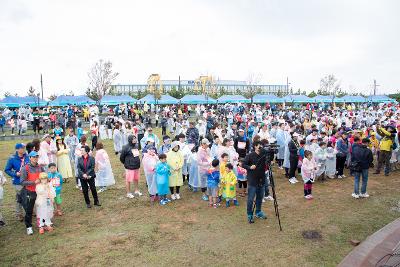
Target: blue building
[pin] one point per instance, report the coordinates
(228, 86)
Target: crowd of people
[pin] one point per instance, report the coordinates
(217, 150)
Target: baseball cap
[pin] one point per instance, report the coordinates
(33, 154)
(19, 146)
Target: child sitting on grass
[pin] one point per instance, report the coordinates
(308, 170)
(228, 184)
(162, 173)
(213, 183)
(56, 181)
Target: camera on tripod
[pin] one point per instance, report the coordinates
(270, 148)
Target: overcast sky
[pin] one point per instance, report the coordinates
(357, 41)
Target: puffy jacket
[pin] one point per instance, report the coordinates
(342, 146)
(2, 121)
(192, 136)
(127, 158)
(362, 154)
(386, 141)
(14, 165)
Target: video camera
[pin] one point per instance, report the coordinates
(270, 149)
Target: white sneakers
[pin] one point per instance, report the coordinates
(340, 177)
(269, 198)
(29, 231)
(130, 195)
(344, 176)
(175, 196)
(138, 193)
(293, 180)
(361, 195)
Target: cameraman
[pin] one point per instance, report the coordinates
(255, 164)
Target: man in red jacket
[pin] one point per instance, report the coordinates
(29, 179)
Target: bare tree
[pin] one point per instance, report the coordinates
(7, 94)
(329, 85)
(252, 81)
(101, 76)
(71, 93)
(31, 91)
(52, 97)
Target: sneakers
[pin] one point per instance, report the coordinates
(228, 203)
(307, 197)
(163, 202)
(250, 218)
(355, 195)
(138, 193)
(173, 197)
(167, 200)
(215, 206)
(177, 196)
(340, 177)
(295, 180)
(235, 202)
(364, 195)
(102, 189)
(344, 176)
(29, 231)
(292, 181)
(41, 230)
(130, 195)
(261, 215)
(204, 197)
(269, 198)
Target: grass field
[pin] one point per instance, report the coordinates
(188, 233)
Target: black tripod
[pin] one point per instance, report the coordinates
(276, 206)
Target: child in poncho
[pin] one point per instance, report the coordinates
(162, 173)
(56, 182)
(242, 179)
(308, 170)
(228, 185)
(44, 203)
(149, 160)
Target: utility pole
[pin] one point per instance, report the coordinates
(375, 86)
(179, 83)
(41, 84)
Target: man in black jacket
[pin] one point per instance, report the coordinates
(86, 175)
(362, 156)
(131, 160)
(255, 164)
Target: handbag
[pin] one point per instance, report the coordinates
(355, 166)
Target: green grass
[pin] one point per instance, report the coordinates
(188, 233)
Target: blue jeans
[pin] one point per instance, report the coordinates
(258, 193)
(364, 174)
